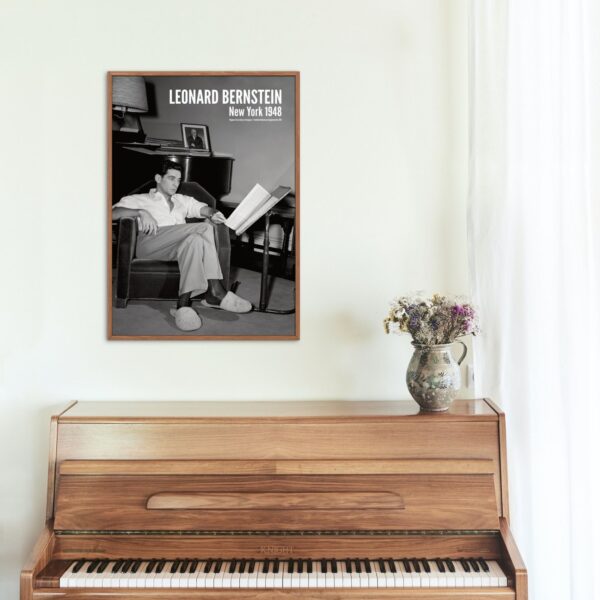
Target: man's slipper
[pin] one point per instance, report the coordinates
(231, 303)
(186, 318)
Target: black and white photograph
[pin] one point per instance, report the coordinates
(195, 136)
(203, 205)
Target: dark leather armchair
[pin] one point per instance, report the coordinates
(144, 279)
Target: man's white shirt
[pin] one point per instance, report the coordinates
(158, 206)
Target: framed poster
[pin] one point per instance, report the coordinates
(203, 207)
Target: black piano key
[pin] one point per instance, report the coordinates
(334, 566)
(218, 565)
(126, 565)
(450, 564)
(102, 566)
(440, 565)
(367, 565)
(290, 565)
(150, 566)
(160, 565)
(465, 565)
(136, 565)
(309, 566)
(265, 567)
(426, 566)
(382, 565)
(348, 565)
(193, 566)
(300, 566)
(324, 566)
(185, 563)
(175, 565)
(117, 565)
(392, 565)
(416, 565)
(357, 565)
(79, 564)
(407, 566)
(242, 565)
(92, 566)
(232, 565)
(208, 565)
(251, 565)
(474, 564)
(276, 566)
(483, 564)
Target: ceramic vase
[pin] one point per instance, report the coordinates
(433, 376)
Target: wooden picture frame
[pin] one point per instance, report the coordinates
(195, 136)
(244, 112)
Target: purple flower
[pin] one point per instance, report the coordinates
(458, 310)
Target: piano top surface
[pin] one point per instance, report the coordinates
(115, 411)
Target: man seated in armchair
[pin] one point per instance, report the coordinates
(165, 235)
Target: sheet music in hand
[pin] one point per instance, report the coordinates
(256, 203)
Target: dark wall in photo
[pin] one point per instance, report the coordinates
(263, 151)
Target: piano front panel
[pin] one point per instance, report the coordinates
(277, 502)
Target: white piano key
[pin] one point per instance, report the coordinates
(286, 577)
(270, 576)
(131, 578)
(218, 576)
(261, 578)
(398, 577)
(303, 577)
(278, 577)
(163, 579)
(432, 575)
(475, 576)
(200, 581)
(67, 575)
(142, 579)
(243, 583)
(500, 579)
(105, 578)
(458, 575)
(252, 577)
(337, 579)
(439, 577)
(372, 576)
(188, 579)
(467, 575)
(149, 577)
(225, 575)
(390, 577)
(320, 573)
(312, 577)
(379, 574)
(235, 576)
(209, 578)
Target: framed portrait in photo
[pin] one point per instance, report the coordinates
(204, 205)
(195, 137)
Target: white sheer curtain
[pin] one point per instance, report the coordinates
(534, 233)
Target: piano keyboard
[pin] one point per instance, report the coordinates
(284, 573)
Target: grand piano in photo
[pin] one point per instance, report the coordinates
(267, 500)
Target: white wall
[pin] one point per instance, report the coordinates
(375, 222)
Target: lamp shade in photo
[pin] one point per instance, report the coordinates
(129, 94)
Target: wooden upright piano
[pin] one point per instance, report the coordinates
(276, 500)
